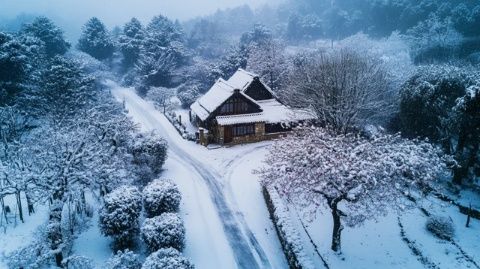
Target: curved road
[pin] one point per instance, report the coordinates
(246, 250)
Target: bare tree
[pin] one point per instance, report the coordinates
(161, 96)
(344, 89)
(355, 178)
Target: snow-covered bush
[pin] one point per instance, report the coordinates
(160, 196)
(164, 231)
(119, 215)
(124, 260)
(78, 262)
(167, 258)
(149, 154)
(441, 227)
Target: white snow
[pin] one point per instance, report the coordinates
(218, 94)
(17, 234)
(208, 243)
(241, 79)
(92, 243)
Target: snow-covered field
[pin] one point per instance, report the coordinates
(17, 234)
(378, 244)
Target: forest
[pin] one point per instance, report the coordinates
(393, 86)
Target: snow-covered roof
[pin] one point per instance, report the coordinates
(218, 94)
(273, 112)
(242, 79)
(240, 119)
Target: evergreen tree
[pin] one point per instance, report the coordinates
(45, 30)
(96, 40)
(130, 41)
(65, 89)
(163, 52)
(21, 59)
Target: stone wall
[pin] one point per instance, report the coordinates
(259, 135)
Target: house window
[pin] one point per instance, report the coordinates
(234, 106)
(242, 130)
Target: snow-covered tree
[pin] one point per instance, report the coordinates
(206, 39)
(355, 178)
(126, 259)
(427, 99)
(78, 262)
(45, 30)
(393, 53)
(167, 258)
(161, 196)
(65, 90)
(149, 154)
(304, 28)
(235, 58)
(346, 90)
(96, 40)
(268, 60)
(119, 216)
(164, 231)
(163, 51)
(188, 94)
(257, 36)
(21, 59)
(130, 41)
(465, 121)
(161, 97)
(434, 38)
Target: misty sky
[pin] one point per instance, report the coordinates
(116, 12)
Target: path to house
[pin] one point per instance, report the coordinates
(218, 236)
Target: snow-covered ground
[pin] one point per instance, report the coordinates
(17, 234)
(227, 223)
(378, 244)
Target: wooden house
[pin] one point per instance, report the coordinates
(242, 109)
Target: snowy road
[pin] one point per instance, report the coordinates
(237, 246)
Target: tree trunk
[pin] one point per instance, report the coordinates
(29, 204)
(19, 204)
(2, 203)
(59, 259)
(337, 228)
(56, 238)
(460, 172)
(468, 216)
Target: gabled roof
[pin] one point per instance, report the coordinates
(242, 79)
(216, 96)
(272, 111)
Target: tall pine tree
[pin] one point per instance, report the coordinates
(95, 40)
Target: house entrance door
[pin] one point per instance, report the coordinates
(228, 134)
